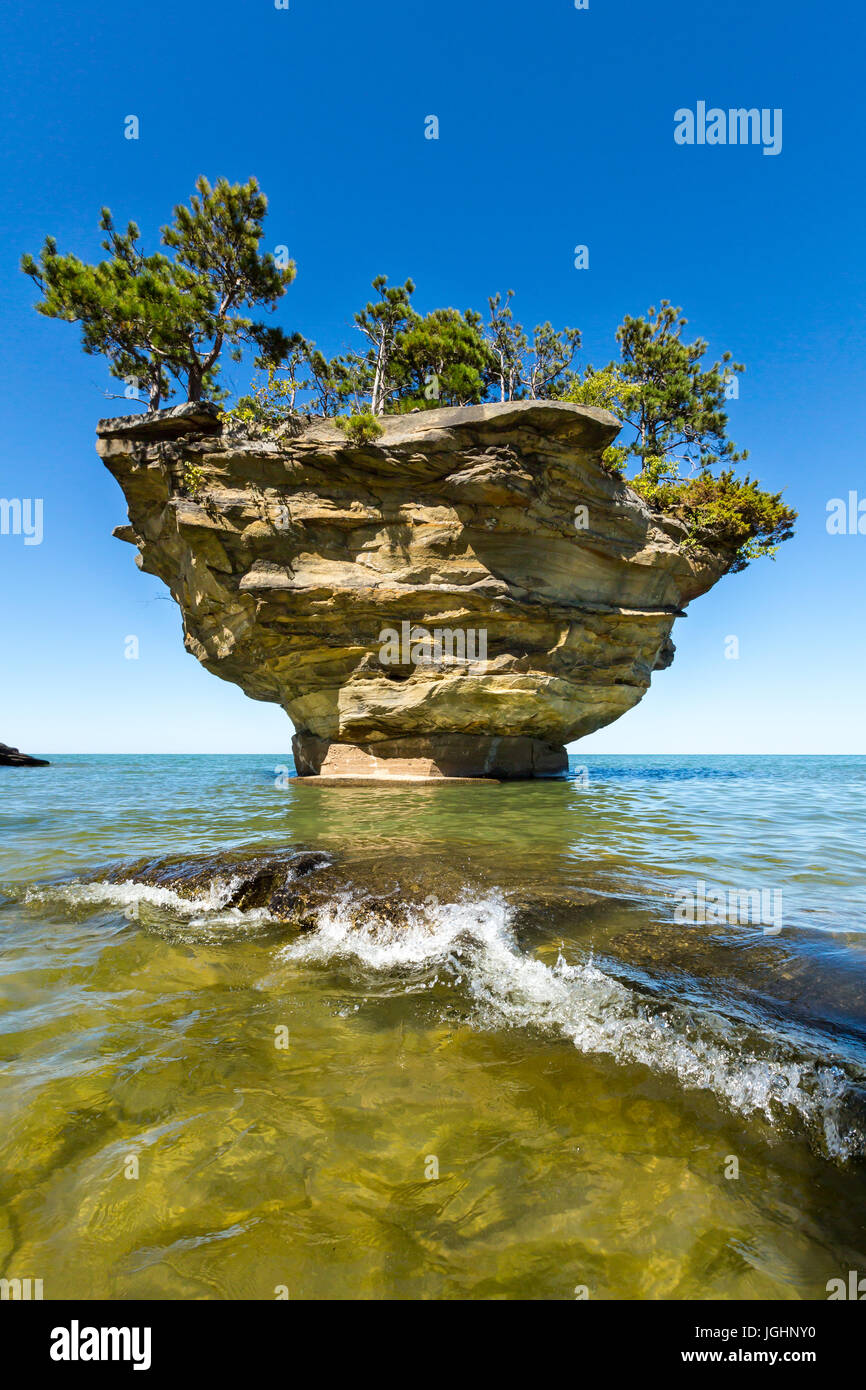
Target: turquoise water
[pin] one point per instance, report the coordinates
(580, 1047)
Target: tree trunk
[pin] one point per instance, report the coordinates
(377, 385)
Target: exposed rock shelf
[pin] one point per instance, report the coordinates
(291, 554)
(10, 757)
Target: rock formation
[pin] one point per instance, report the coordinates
(462, 596)
(10, 757)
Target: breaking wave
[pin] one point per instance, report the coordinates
(474, 946)
(207, 910)
(471, 947)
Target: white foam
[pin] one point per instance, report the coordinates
(129, 894)
(474, 945)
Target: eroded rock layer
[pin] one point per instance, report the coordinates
(308, 569)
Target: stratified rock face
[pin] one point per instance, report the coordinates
(461, 597)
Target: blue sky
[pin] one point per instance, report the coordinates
(556, 129)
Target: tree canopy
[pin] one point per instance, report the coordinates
(676, 406)
(163, 320)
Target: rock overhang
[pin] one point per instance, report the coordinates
(289, 554)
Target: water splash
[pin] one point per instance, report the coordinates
(207, 911)
(474, 944)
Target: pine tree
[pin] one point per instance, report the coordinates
(676, 407)
(380, 322)
(441, 359)
(508, 344)
(156, 318)
(549, 361)
(325, 383)
(678, 412)
(539, 369)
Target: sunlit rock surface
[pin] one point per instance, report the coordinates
(301, 562)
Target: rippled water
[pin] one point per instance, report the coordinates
(539, 1078)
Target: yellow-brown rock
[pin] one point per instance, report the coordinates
(296, 557)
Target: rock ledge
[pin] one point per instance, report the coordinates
(297, 558)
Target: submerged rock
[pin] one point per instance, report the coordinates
(10, 757)
(289, 886)
(295, 886)
(461, 597)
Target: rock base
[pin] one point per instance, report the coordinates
(430, 758)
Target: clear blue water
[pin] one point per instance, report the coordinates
(549, 1019)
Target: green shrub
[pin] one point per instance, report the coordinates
(193, 479)
(359, 429)
(732, 516)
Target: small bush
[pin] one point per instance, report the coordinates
(193, 479)
(732, 516)
(359, 429)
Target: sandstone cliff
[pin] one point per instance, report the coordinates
(291, 555)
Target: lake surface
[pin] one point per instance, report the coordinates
(618, 1043)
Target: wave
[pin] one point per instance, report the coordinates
(475, 947)
(472, 947)
(206, 910)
